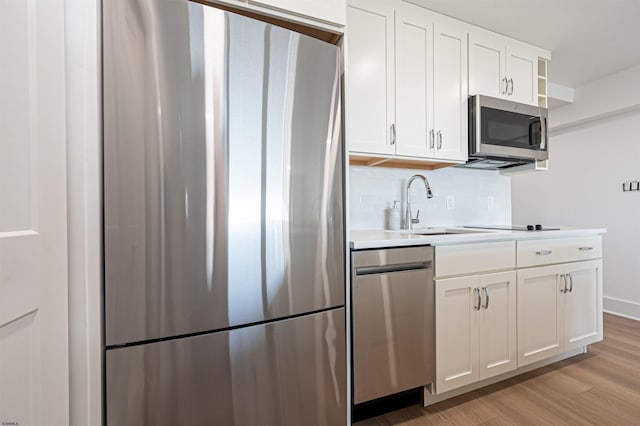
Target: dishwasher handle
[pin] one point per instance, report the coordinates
(396, 267)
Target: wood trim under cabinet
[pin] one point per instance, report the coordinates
(395, 162)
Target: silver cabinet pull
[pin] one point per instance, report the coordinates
(393, 134)
(570, 283)
(439, 139)
(544, 252)
(585, 248)
(478, 302)
(431, 139)
(511, 91)
(506, 85)
(486, 297)
(564, 284)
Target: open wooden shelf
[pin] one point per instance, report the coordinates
(542, 83)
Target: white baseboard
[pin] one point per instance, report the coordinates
(621, 307)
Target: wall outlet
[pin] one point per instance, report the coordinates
(490, 202)
(451, 202)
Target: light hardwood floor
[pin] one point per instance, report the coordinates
(601, 387)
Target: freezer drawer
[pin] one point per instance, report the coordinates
(393, 321)
(290, 372)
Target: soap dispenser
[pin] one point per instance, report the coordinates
(392, 216)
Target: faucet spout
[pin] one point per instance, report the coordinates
(409, 220)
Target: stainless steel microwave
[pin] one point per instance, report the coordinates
(505, 133)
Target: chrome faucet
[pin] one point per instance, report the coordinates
(408, 220)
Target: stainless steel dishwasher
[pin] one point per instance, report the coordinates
(393, 321)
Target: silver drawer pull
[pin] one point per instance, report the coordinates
(543, 252)
(585, 248)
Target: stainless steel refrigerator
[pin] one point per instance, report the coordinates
(223, 212)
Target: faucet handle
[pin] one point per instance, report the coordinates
(417, 218)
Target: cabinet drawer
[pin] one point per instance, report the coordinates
(474, 258)
(560, 250)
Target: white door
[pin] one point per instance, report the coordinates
(583, 304)
(487, 65)
(370, 88)
(522, 73)
(497, 324)
(450, 92)
(414, 81)
(34, 372)
(539, 307)
(456, 332)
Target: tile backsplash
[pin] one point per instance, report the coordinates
(460, 196)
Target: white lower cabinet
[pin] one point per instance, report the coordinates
(547, 303)
(475, 328)
(559, 309)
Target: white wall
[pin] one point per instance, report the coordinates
(605, 97)
(372, 189)
(589, 160)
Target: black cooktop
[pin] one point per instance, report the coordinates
(515, 227)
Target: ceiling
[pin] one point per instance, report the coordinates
(588, 38)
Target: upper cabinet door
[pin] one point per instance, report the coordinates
(414, 82)
(331, 11)
(502, 68)
(487, 65)
(522, 75)
(450, 92)
(370, 89)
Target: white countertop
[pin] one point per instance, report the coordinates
(368, 239)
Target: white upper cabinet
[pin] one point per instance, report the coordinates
(409, 72)
(450, 92)
(502, 68)
(330, 11)
(487, 62)
(522, 71)
(406, 82)
(414, 82)
(325, 15)
(370, 77)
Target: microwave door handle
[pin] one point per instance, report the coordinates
(543, 135)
